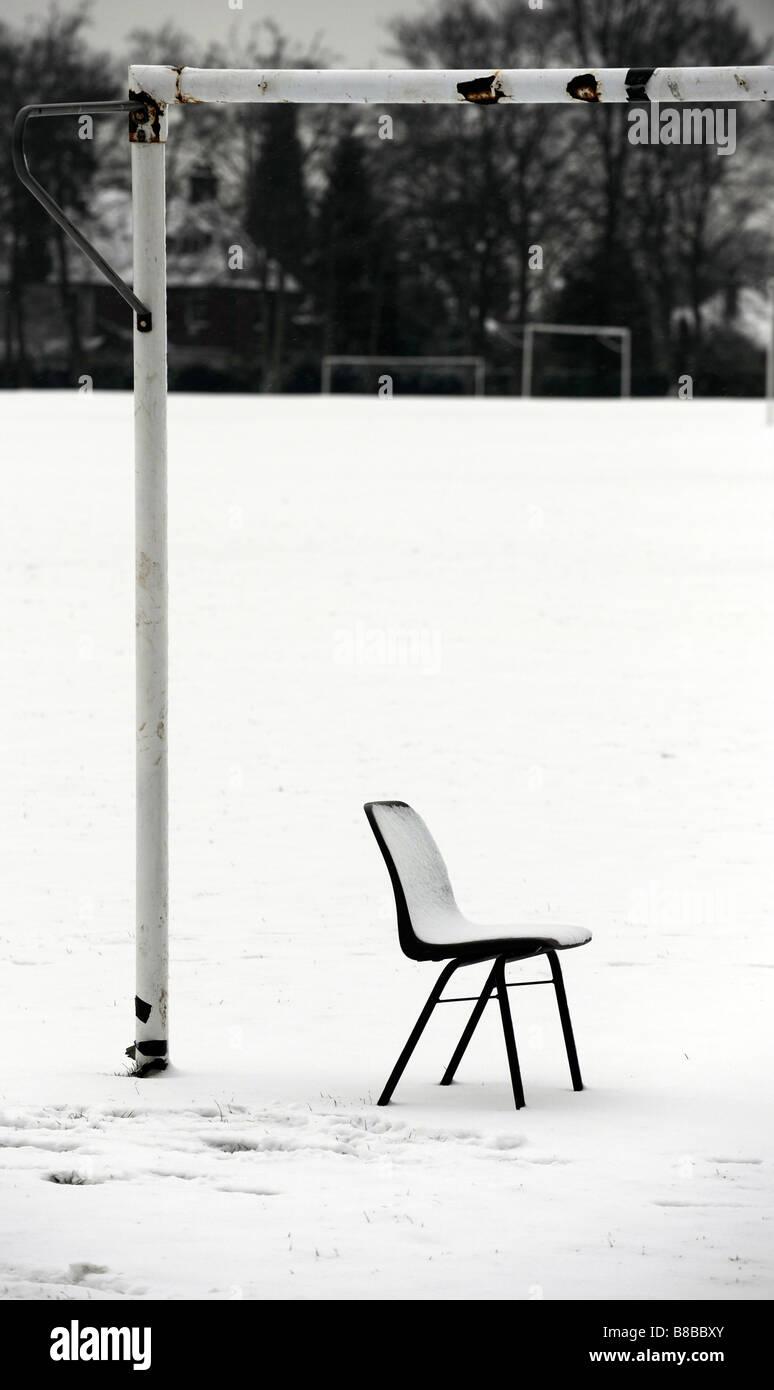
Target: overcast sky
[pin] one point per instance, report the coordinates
(352, 29)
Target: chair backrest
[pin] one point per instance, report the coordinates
(423, 893)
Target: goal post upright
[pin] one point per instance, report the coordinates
(770, 358)
(626, 363)
(148, 146)
(527, 357)
(480, 377)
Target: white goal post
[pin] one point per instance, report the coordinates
(476, 365)
(620, 339)
(770, 360)
(153, 91)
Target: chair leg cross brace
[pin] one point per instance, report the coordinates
(495, 982)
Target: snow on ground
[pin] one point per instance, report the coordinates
(545, 625)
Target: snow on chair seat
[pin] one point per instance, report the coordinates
(431, 927)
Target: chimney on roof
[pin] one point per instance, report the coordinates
(203, 184)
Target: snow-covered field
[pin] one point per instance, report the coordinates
(548, 627)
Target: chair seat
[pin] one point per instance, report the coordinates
(450, 934)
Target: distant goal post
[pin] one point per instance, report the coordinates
(620, 339)
(474, 367)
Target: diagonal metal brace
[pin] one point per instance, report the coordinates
(76, 108)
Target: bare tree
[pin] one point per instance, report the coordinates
(46, 62)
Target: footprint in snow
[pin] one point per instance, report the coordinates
(74, 1178)
(76, 1273)
(736, 1162)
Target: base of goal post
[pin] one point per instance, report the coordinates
(148, 1065)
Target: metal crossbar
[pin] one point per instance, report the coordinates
(487, 86)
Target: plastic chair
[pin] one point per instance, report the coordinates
(431, 927)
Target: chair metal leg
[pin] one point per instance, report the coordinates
(510, 1041)
(564, 1014)
(470, 1028)
(418, 1030)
